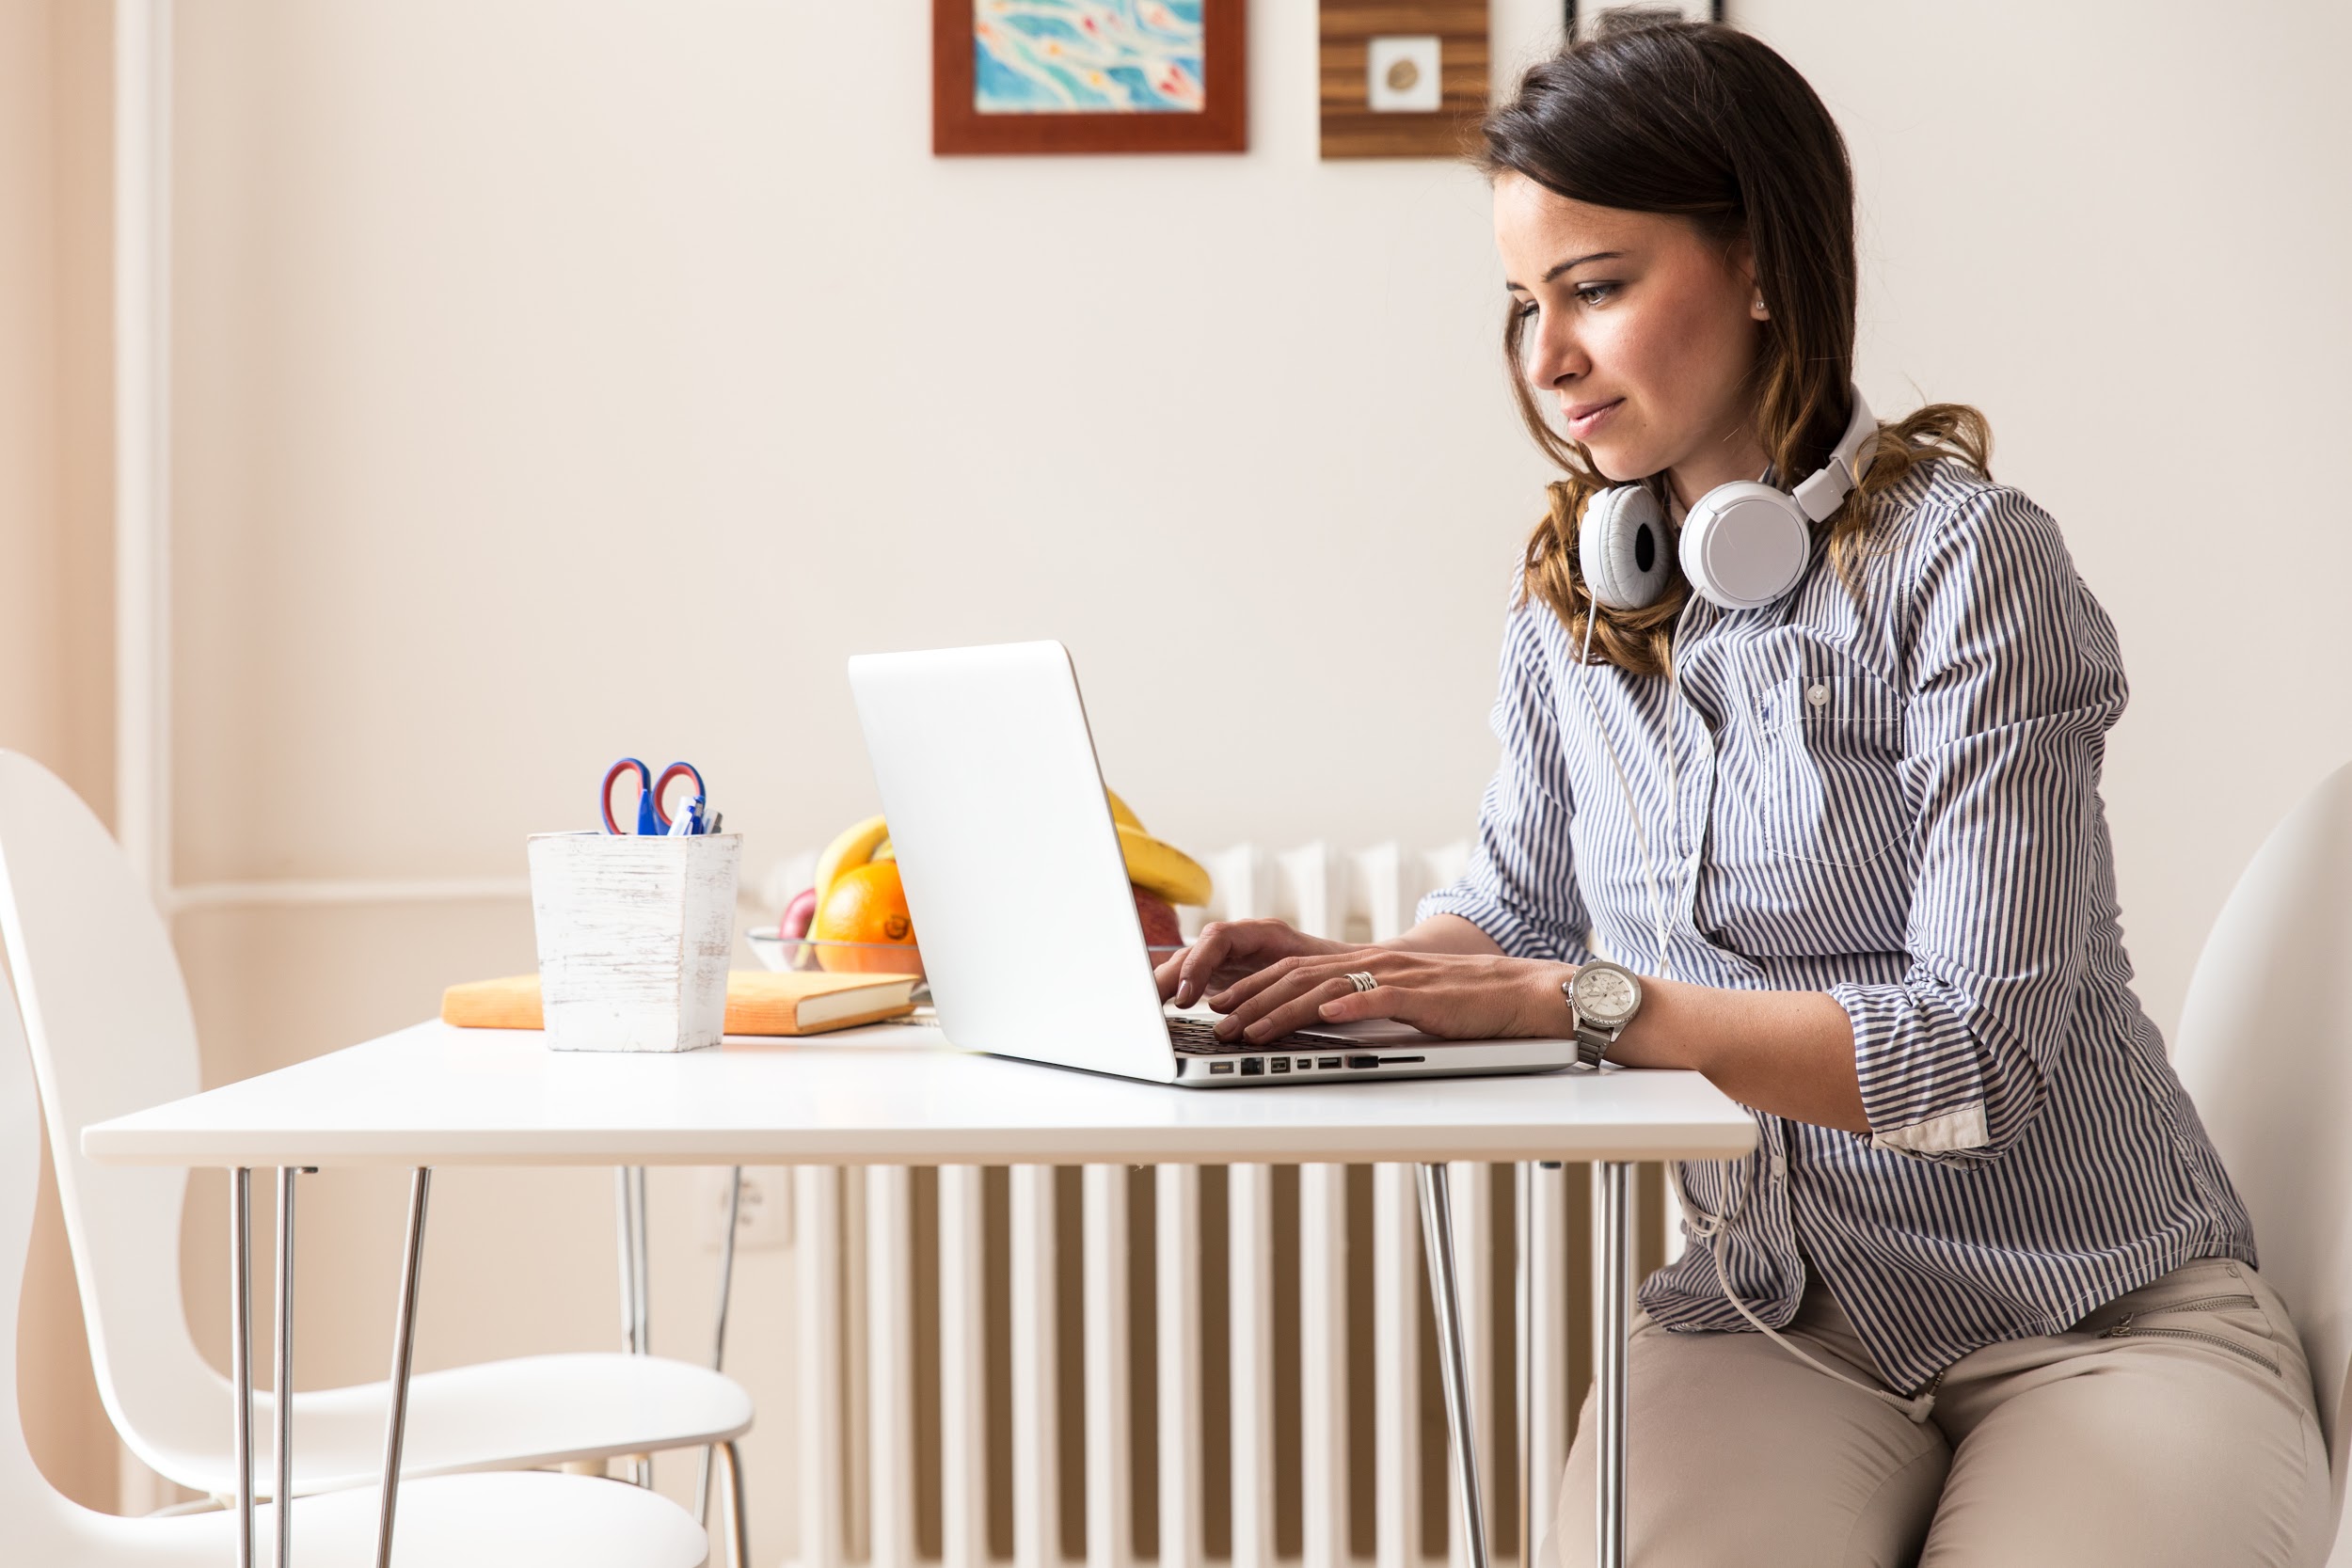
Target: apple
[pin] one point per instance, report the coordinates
(796, 914)
(1159, 919)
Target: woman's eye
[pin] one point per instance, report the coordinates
(1595, 294)
(1528, 310)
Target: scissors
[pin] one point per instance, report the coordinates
(653, 819)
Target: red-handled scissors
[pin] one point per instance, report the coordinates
(653, 818)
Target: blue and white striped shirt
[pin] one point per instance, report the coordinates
(1895, 802)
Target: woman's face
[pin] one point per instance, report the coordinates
(1644, 331)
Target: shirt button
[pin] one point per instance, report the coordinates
(1817, 694)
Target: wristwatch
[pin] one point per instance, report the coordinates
(1602, 999)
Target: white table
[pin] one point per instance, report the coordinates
(897, 1095)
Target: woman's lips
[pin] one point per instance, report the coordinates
(1586, 418)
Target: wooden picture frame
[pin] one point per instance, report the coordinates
(959, 128)
(1452, 35)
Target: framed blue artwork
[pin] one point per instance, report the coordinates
(1044, 76)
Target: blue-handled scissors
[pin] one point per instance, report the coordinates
(653, 818)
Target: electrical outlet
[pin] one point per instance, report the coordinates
(765, 1218)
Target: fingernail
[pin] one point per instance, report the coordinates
(1255, 1031)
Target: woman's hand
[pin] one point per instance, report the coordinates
(1227, 951)
(1453, 995)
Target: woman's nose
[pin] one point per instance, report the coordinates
(1555, 357)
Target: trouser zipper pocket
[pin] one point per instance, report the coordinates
(2130, 1327)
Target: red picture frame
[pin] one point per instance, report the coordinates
(1222, 125)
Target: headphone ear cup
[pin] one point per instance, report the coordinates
(1745, 545)
(1622, 547)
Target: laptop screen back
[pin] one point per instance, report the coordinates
(1011, 863)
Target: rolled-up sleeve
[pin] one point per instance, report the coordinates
(1519, 887)
(2013, 679)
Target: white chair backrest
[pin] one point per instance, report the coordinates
(35, 1512)
(2264, 1047)
(111, 1032)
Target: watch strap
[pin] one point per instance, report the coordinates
(1592, 1041)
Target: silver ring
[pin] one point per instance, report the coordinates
(1362, 979)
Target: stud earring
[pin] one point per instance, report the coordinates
(1757, 309)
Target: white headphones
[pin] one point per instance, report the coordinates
(1743, 544)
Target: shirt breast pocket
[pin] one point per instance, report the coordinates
(1828, 743)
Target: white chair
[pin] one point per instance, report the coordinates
(476, 1521)
(111, 1032)
(2264, 1047)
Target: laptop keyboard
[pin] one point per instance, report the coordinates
(1197, 1037)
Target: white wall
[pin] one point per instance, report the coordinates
(559, 380)
(2121, 228)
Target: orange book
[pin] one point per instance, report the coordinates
(760, 1002)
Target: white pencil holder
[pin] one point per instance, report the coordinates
(635, 936)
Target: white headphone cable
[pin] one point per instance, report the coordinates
(1707, 1228)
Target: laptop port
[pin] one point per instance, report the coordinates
(1363, 1061)
(1281, 1064)
(1327, 1063)
(1220, 1066)
(1253, 1067)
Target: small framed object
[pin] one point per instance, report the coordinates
(1088, 76)
(1578, 17)
(1402, 78)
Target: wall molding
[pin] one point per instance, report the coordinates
(281, 893)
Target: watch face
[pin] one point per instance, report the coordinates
(1605, 995)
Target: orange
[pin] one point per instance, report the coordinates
(867, 904)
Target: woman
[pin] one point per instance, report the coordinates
(1851, 841)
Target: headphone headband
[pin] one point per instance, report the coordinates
(1826, 491)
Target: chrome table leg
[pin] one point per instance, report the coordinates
(241, 1349)
(1616, 1179)
(1523, 1215)
(1437, 1231)
(281, 1384)
(403, 1355)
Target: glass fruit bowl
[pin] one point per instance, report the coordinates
(776, 951)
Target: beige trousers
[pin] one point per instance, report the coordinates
(2147, 1448)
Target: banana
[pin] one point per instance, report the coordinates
(1152, 864)
(854, 848)
(1163, 868)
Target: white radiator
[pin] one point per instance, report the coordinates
(994, 1368)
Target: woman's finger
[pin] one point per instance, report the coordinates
(1352, 1005)
(1298, 978)
(1296, 1008)
(1169, 971)
(1323, 962)
(1231, 950)
(1198, 969)
(1251, 998)
(1243, 988)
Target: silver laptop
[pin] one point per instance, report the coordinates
(1019, 892)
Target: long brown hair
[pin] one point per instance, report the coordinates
(1707, 125)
